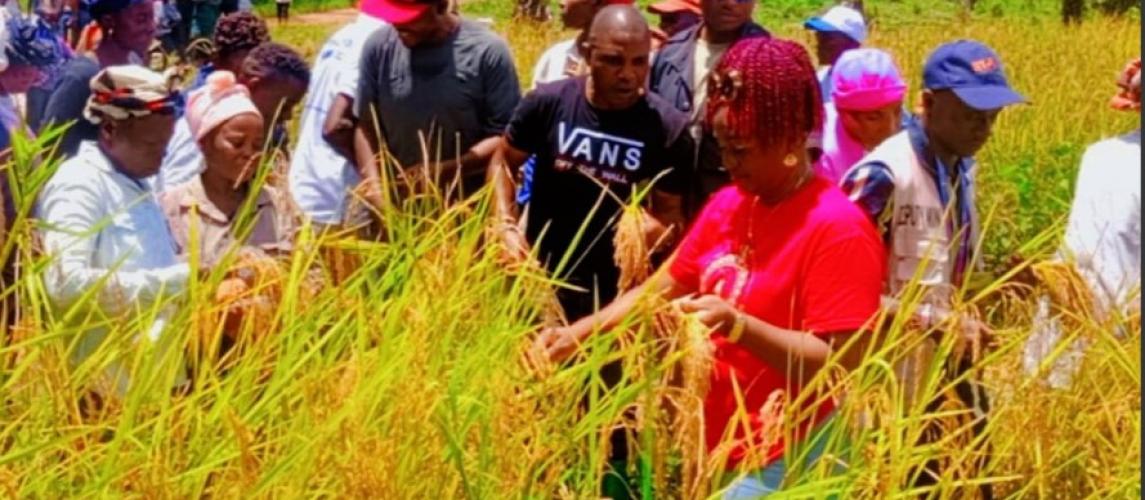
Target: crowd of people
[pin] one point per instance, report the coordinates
(797, 202)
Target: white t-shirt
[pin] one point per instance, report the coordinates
(560, 61)
(825, 87)
(703, 62)
(182, 160)
(320, 178)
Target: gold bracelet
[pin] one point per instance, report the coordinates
(737, 328)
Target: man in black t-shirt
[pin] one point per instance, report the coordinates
(597, 139)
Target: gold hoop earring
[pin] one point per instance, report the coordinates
(790, 160)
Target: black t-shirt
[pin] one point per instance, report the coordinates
(580, 152)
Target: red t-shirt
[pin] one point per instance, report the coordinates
(816, 264)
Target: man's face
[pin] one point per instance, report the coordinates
(139, 143)
(423, 29)
(276, 98)
(577, 14)
(956, 127)
(618, 63)
(726, 15)
(871, 128)
(829, 45)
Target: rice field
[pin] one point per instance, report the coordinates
(396, 370)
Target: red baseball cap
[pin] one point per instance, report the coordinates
(673, 6)
(396, 11)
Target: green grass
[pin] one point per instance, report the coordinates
(401, 376)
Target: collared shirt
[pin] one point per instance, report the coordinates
(186, 206)
(103, 230)
(673, 78)
(871, 185)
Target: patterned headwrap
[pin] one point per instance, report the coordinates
(30, 42)
(1129, 98)
(120, 92)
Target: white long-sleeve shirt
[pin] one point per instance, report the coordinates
(1104, 229)
(107, 238)
(1103, 239)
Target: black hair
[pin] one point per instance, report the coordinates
(276, 59)
(237, 32)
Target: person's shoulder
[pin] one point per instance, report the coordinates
(1115, 149)
(673, 119)
(678, 42)
(476, 33)
(832, 211)
(79, 68)
(558, 90)
(753, 29)
(77, 171)
(556, 52)
(1113, 160)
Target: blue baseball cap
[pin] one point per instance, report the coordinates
(973, 72)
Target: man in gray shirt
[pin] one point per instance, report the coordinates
(433, 82)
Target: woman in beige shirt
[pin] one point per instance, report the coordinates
(211, 206)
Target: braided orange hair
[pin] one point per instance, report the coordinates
(769, 88)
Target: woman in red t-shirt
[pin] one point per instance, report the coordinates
(780, 264)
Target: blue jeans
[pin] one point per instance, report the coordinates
(768, 480)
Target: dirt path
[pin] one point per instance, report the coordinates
(340, 16)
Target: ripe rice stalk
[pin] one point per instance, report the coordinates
(632, 249)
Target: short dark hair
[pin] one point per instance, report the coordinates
(239, 31)
(276, 59)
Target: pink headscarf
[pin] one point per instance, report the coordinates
(865, 80)
(221, 99)
(862, 80)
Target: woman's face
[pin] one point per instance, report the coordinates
(137, 144)
(133, 28)
(756, 168)
(871, 128)
(232, 150)
(19, 79)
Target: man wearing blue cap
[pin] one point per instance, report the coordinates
(838, 30)
(918, 187)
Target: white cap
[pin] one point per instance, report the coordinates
(840, 19)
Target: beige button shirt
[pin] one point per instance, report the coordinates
(187, 206)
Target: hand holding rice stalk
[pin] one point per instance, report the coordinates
(249, 295)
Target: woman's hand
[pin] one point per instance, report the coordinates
(515, 248)
(556, 344)
(712, 310)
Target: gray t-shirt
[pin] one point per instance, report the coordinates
(456, 93)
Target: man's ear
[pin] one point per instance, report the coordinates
(927, 100)
(107, 129)
(586, 48)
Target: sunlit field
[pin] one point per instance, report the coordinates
(396, 370)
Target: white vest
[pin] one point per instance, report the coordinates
(919, 239)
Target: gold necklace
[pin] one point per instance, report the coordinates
(747, 246)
